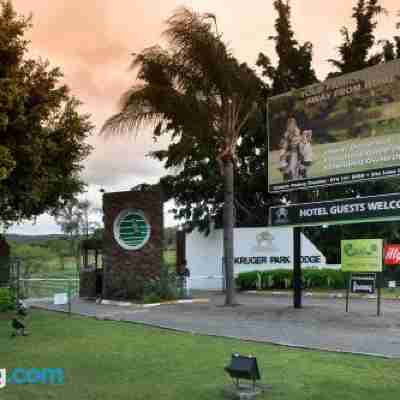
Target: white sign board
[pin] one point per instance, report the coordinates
(60, 299)
(255, 249)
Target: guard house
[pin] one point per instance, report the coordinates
(91, 273)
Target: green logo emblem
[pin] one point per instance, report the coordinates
(131, 229)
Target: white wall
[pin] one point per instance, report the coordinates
(204, 259)
(255, 249)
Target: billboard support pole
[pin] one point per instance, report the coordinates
(297, 273)
(379, 284)
(380, 279)
(349, 278)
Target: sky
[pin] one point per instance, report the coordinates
(93, 41)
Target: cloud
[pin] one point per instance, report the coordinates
(44, 225)
(92, 42)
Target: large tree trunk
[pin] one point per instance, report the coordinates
(228, 233)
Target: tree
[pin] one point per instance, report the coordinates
(61, 248)
(294, 69)
(355, 50)
(88, 226)
(7, 163)
(194, 188)
(199, 94)
(42, 133)
(355, 55)
(391, 50)
(74, 222)
(35, 259)
(170, 238)
(70, 220)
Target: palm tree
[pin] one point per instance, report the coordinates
(194, 90)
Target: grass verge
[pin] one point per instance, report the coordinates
(115, 360)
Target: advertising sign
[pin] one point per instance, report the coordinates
(363, 284)
(362, 209)
(392, 254)
(362, 255)
(341, 131)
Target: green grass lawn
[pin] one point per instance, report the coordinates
(114, 360)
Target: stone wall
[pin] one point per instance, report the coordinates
(125, 272)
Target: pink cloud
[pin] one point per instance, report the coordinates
(92, 41)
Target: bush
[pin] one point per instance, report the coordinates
(283, 279)
(35, 259)
(7, 301)
(163, 288)
(247, 280)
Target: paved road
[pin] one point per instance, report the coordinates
(321, 324)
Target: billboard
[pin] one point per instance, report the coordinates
(362, 255)
(392, 254)
(341, 131)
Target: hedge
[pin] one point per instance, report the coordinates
(283, 279)
(6, 300)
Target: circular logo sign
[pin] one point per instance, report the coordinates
(131, 229)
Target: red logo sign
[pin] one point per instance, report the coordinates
(392, 254)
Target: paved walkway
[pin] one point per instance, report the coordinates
(321, 324)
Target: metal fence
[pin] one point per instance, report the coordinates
(42, 289)
(45, 289)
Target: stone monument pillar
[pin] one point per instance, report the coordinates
(133, 242)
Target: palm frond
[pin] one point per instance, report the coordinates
(130, 122)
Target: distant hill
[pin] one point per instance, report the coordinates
(169, 237)
(12, 237)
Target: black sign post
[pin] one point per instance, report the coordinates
(379, 285)
(297, 278)
(375, 278)
(348, 292)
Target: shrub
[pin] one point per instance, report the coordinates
(247, 280)
(151, 298)
(7, 301)
(283, 279)
(163, 288)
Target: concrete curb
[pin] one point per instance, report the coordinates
(328, 295)
(150, 305)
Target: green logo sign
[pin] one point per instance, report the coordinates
(131, 229)
(362, 255)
